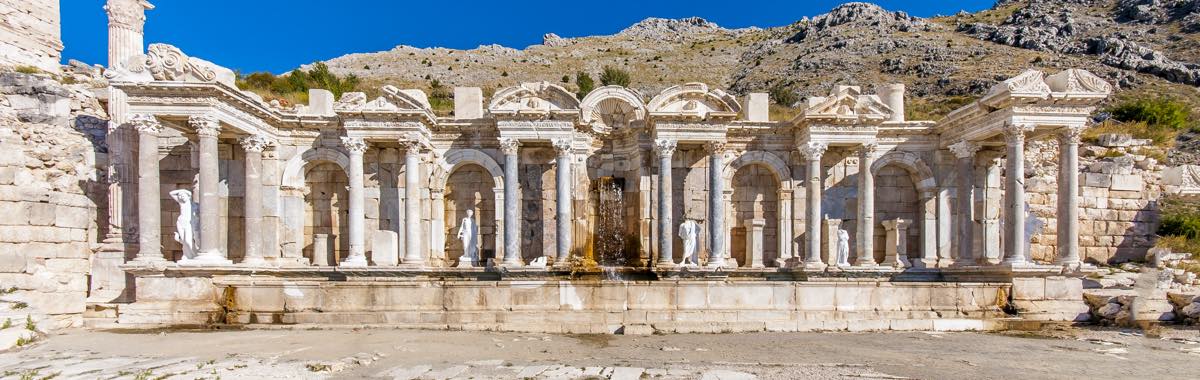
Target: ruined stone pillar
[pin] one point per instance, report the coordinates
(716, 208)
(150, 215)
(866, 207)
(666, 237)
(784, 231)
(832, 226)
(928, 220)
(992, 203)
(207, 129)
(512, 204)
(562, 187)
(357, 257)
(813, 152)
(1068, 197)
(754, 242)
(253, 200)
(945, 230)
(1014, 195)
(412, 203)
(965, 152)
(896, 243)
(320, 250)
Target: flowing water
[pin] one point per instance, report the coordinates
(610, 227)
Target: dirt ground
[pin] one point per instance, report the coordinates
(407, 354)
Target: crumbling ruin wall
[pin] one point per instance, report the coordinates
(1120, 190)
(30, 34)
(51, 149)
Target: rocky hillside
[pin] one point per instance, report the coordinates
(1141, 45)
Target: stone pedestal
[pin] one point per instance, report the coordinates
(383, 249)
(896, 243)
(754, 243)
(320, 250)
(831, 240)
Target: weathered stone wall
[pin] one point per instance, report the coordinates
(51, 146)
(326, 210)
(755, 196)
(1119, 193)
(470, 188)
(30, 34)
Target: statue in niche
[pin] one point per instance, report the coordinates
(188, 222)
(843, 248)
(468, 233)
(689, 232)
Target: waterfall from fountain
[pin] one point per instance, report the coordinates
(610, 227)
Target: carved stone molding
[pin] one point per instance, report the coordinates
(1015, 133)
(562, 146)
(205, 125)
(509, 146)
(964, 149)
(256, 143)
(129, 14)
(868, 149)
(168, 63)
(145, 123)
(354, 144)
(813, 150)
(716, 147)
(1071, 135)
(665, 147)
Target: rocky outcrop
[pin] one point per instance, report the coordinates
(1159, 12)
(1118, 51)
(863, 15)
(664, 29)
(551, 39)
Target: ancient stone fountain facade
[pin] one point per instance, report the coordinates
(349, 210)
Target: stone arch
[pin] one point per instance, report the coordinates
(533, 97)
(922, 176)
(693, 98)
(456, 158)
(612, 107)
(925, 212)
(776, 165)
(293, 172)
(451, 162)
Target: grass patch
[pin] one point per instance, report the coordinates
(292, 88)
(934, 109)
(25, 69)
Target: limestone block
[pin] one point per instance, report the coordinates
(757, 107)
(41, 214)
(385, 251)
(13, 259)
(1029, 289)
(468, 103)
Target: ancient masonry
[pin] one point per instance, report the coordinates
(688, 210)
(30, 34)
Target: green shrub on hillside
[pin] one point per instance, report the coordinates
(584, 81)
(1158, 114)
(1185, 225)
(783, 95)
(613, 76)
(292, 86)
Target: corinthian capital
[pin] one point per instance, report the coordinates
(205, 125)
(1015, 133)
(964, 149)
(1071, 135)
(255, 143)
(813, 150)
(130, 14)
(354, 144)
(665, 147)
(145, 123)
(509, 146)
(716, 147)
(562, 146)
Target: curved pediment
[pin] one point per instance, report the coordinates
(1078, 81)
(1031, 83)
(694, 100)
(847, 104)
(612, 108)
(409, 99)
(533, 98)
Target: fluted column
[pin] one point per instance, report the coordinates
(357, 257)
(812, 152)
(965, 152)
(716, 205)
(666, 238)
(207, 129)
(253, 199)
(412, 202)
(1014, 195)
(150, 213)
(866, 207)
(562, 188)
(126, 19)
(512, 204)
(1068, 197)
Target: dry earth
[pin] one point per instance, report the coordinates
(405, 354)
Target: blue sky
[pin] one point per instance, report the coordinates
(279, 35)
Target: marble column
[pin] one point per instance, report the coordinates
(865, 248)
(562, 188)
(812, 152)
(716, 207)
(253, 199)
(357, 257)
(945, 249)
(1068, 197)
(512, 204)
(988, 209)
(150, 214)
(1014, 195)
(412, 203)
(784, 232)
(666, 237)
(928, 225)
(207, 129)
(965, 151)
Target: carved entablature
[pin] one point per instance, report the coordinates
(694, 101)
(612, 109)
(541, 100)
(395, 104)
(540, 130)
(377, 129)
(845, 106)
(164, 62)
(684, 131)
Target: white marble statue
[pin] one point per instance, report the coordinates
(843, 248)
(539, 262)
(468, 233)
(689, 232)
(188, 223)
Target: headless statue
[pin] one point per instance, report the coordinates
(468, 233)
(188, 223)
(689, 231)
(843, 248)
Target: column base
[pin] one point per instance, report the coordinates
(511, 264)
(926, 263)
(205, 259)
(253, 262)
(814, 266)
(354, 261)
(467, 263)
(148, 260)
(667, 266)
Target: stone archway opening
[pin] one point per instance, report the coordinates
(896, 197)
(470, 187)
(755, 202)
(326, 212)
